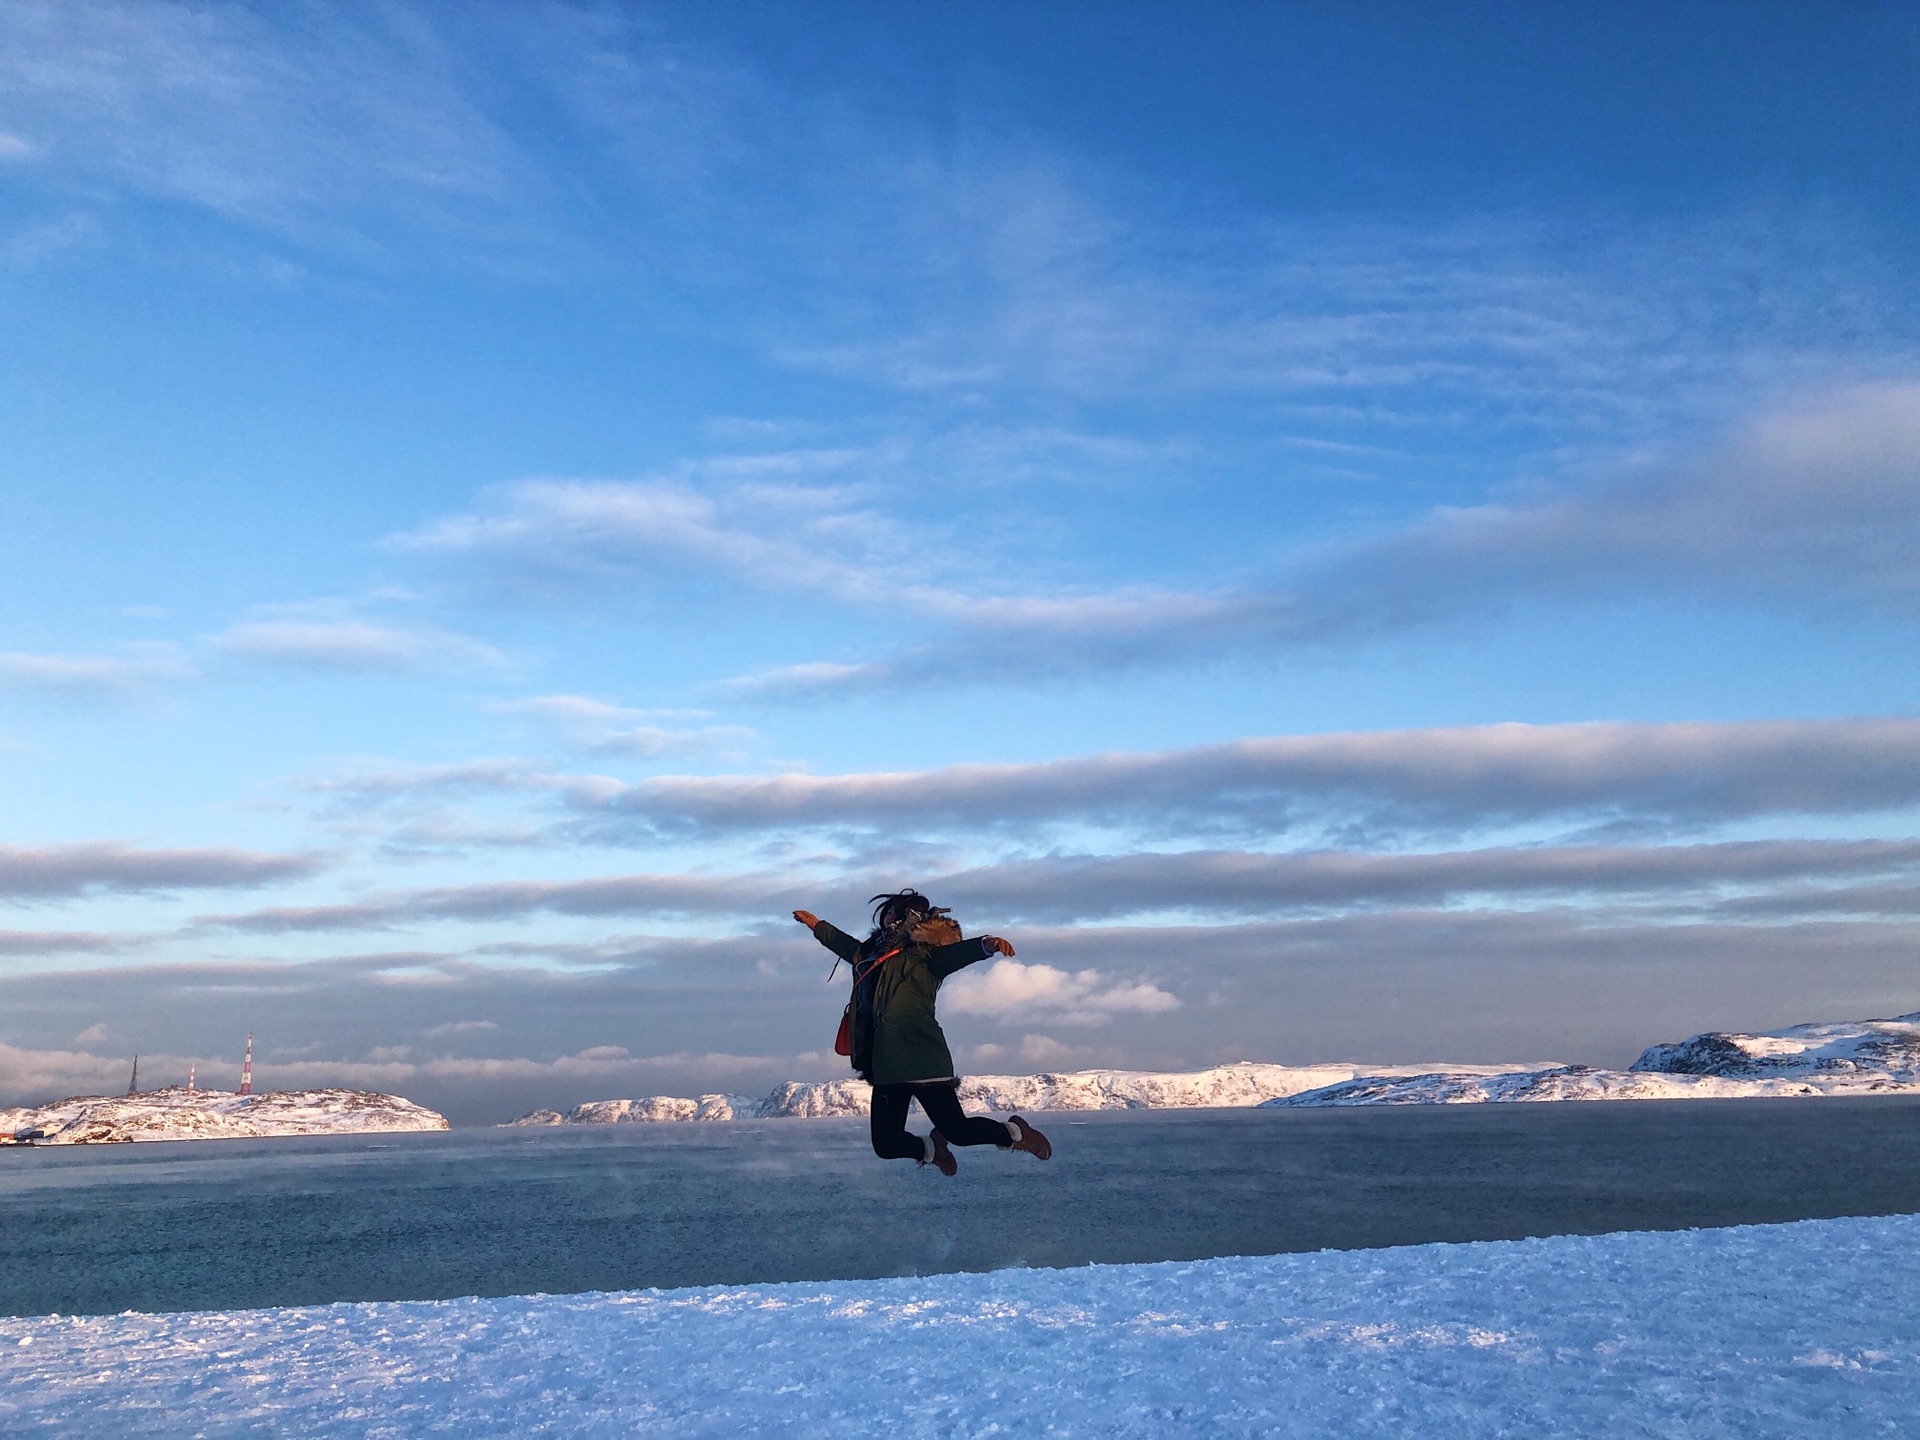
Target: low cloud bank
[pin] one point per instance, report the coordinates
(1819, 875)
(36, 872)
(1669, 774)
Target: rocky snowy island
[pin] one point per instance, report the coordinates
(177, 1113)
(1857, 1057)
(1849, 1058)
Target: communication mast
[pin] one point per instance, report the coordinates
(246, 1069)
(190, 1070)
(133, 1084)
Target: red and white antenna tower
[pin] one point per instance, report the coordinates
(190, 1070)
(246, 1069)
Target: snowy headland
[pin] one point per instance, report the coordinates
(1848, 1058)
(177, 1113)
(1856, 1057)
(1244, 1083)
(1758, 1331)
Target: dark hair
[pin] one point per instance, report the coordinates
(901, 910)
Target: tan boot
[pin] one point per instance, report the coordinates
(943, 1160)
(1026, 1138)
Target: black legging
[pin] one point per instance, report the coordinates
(941, 1100)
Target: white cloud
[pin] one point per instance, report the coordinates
(32, 1076)
(137, 669)
(1041, 1051)
(458, 1027)
(29, 1076)
(1676, 773)
(1785, 876)
(354, 645)
(65, 942)
(1034, 1052)
(811, 675)
(786, 538)
(598, 726)
(1846, 876)
(1009, 990)
(37, 872)
(1816, 506)
(265, 119)
(1812, 507)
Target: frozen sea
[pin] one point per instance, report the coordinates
(223, 1225)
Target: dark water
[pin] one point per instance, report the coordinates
(235, 1223)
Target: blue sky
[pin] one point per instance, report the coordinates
(500, 503)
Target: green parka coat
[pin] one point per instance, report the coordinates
(908, 1044)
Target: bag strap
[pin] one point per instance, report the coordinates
(861, 969)
(860, 972)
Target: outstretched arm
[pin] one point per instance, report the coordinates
(831, 936)
(943, 960)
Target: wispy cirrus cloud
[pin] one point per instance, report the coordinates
(601, 727)
(1812, 507)
(1815, 506)
(350, 645)
(133, 670)
(324, 133)
(779, 538)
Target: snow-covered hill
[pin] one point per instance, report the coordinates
(1244, 1083)
(1868, 1049)
(177, 1113)
(1858, 1057)
(1853, 1057)
(1576, 1082)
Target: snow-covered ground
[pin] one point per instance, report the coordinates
(1763, 1331)
(177, 1113)
(1855, 1057)
(1244, 1083)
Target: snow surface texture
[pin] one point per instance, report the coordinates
(1245, 1083)
(1857, 1057)
(1781, 1330)
(177, 1113)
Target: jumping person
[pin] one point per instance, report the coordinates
(918, 946)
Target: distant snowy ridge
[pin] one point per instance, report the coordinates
(1577, 1082)
(177, 1113)
(1849, 1058)
(1244, 1083)
(1869, 1049)
(1856, 1057)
